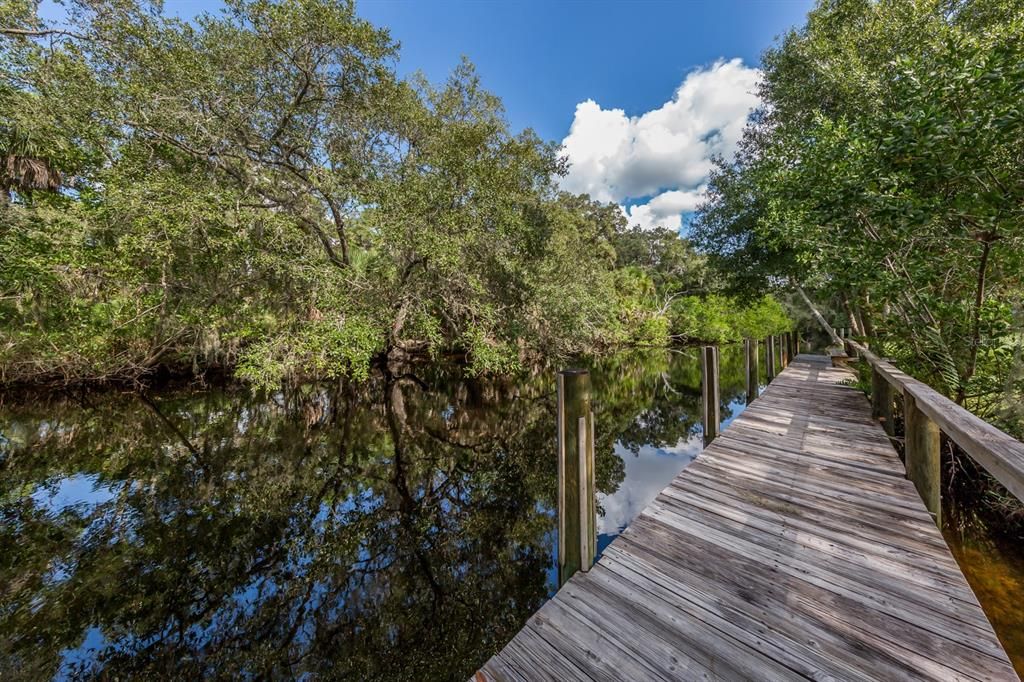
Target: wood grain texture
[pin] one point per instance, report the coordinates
(999, 453)
(792, 548)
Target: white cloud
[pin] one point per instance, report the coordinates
(644, 216)
(665, 209)
(665, 153)
(647, 474)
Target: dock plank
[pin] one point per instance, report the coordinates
(793, 547)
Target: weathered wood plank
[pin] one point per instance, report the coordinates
(792, 548)
(784, 607)
(825, 521)
(842, 543)
(876, 588)
(882, 527)
(999, 453)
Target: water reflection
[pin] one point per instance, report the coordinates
(991, 556)
(400, 529)
(648, 470)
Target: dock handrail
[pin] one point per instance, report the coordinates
(998, 452)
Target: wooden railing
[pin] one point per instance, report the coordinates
(927, 413)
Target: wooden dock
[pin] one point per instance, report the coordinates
(792, 548)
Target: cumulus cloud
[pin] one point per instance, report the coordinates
(646, 473)
(664, 154)
(665, 209)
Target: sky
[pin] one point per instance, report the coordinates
(640, 93)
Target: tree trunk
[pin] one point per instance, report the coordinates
(979, 300)
(852, 316)
(821, 320)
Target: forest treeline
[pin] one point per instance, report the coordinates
(885, 175)
(258, 190)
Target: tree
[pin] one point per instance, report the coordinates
(884, 172)
(671, 261)
(259, 190)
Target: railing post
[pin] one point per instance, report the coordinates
(769, 357)
(881, 400)
(577, 505)
(710, 395)
(783, 354)
(851, 348)
(922, 455)
(753, 378)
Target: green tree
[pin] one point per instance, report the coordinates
(258, 189)
(670, 261)
(885, 173)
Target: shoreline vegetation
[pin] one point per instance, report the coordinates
(258, 192)
(885, 175)
(256, 197)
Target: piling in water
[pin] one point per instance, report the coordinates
(710, 394)
(753, 379)
(577, 505)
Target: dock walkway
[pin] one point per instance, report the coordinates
(792, 548)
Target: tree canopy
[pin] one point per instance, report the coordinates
(884, 172)
(258, 190)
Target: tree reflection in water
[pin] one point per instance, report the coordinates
(402, 529)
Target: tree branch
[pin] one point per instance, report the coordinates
(40, 33)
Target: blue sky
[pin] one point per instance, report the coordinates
(543, 58)
(609, 73)
(641, 93)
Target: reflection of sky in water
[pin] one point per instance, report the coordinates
(90, 501)
(647, 474)
(81, 661)
(83, 492)
(551, 541)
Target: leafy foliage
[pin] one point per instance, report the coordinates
(885, 173)
(258, 190)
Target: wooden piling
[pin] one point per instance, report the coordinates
(881, 400)
(769, 357)
(922, 456)
(577, 505)
(710, 394)
(753, 378)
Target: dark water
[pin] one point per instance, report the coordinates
(403, 529)
(992, 560)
